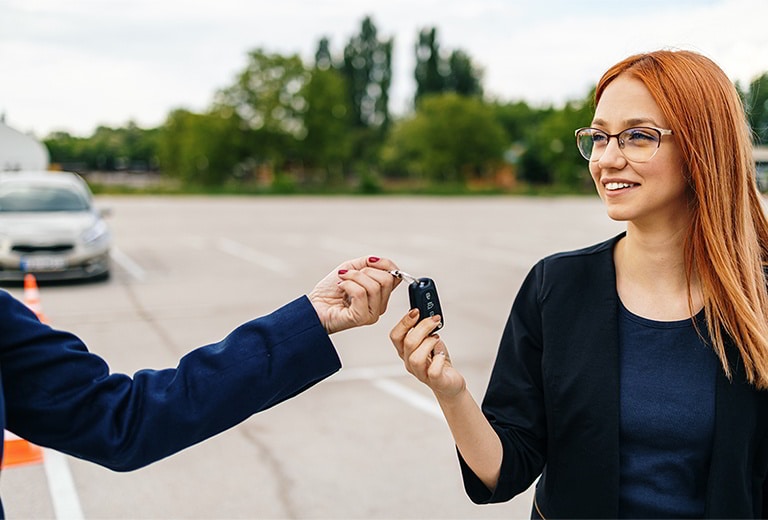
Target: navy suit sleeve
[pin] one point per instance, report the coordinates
(59, 395)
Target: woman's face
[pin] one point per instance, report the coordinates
(652, 193)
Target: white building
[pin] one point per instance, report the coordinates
(21, 152)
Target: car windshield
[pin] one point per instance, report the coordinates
(41, 198)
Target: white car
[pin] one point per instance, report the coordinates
(49, 227)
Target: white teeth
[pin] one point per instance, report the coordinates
(617, 185)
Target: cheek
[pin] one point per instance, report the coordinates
(594, 172)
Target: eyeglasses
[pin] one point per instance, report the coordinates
(638, 144)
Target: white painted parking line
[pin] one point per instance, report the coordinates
(415, 399)
(66, 502)
(238, 250)
(127, 263)
(380, 377)
(368, 373)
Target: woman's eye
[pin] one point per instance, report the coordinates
(638, 136)
(599, 138)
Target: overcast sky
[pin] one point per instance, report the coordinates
(75, 64)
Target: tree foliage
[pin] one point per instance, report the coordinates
(268, 98)
(327, 145)
(107, 149)
(436, 73)
(368, 69)
(550, 155)
(328, 124)
(450, 138)
(202, 149)
(430, 76)
(756, 104)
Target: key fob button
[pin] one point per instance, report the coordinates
(423, 296)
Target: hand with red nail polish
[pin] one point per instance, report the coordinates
(355, 293)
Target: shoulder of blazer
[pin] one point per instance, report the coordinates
(588, 269)
(596, 249)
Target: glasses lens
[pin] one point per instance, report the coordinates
(640, 144)
(585, 142)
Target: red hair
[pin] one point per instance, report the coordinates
(727, 247)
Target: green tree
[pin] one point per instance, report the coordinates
(435, 73)
(323, 56)
(550, 151)
(517, 118)
(463, 77)
(268, 99)
(430, 70)
(202, 149)
(756, 104)
(450, 138)
(65, 149)
(138, 147)
(327, 145)
(107, 149)
(368, 69)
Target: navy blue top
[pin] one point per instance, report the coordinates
(667, 376)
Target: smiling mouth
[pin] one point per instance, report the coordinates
(613, 186)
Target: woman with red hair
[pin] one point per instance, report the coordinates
(631, 376)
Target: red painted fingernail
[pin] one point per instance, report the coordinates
(373, 259)
(343, 271)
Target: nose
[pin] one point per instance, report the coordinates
(612, 157)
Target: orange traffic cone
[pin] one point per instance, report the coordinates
(32, 296)
(18, 452)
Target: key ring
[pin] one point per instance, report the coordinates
(402, 275)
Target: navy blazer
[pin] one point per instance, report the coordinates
(57, 394)
(553, 399)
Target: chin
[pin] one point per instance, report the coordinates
(618, 214)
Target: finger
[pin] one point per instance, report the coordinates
(384, 264)
(372, 298)
(429, 325)
(419, 359)
(379, 286)
(439, 359)
(401, 328)
(387, 284)
(417, 334)
(356, 299)
(441, 349)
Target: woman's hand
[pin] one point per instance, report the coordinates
(355, 293)
(426, 356)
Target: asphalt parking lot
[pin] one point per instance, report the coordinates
(367, 443)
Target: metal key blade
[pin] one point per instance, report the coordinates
(402, 275)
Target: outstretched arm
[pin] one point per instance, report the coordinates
(426, 357)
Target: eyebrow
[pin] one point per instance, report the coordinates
(635, 121)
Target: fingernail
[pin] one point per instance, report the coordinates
(413, 313)
(436, 318)
(343, 271)
(373, 259)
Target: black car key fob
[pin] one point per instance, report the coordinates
(422, 294)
